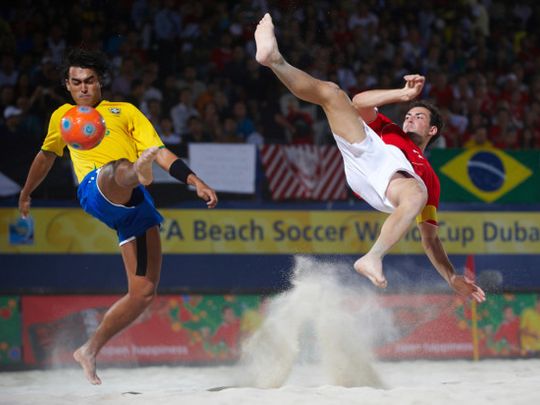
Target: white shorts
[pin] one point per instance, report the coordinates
(369, 166)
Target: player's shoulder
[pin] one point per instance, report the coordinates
(393, 136)
(60, 111)
(118, 108)
(116, 104)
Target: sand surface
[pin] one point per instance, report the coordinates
(416, 382)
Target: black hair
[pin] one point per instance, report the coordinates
(86, 59)
(435, 117)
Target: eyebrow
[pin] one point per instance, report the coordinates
(84, 79)
(418, 113)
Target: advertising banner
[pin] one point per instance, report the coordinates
(229, 168)
(186, 328)
(10, 331)
(209, 328)
(437, 326)
(304, 172)
(194, 231)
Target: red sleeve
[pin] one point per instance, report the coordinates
(379, 123)
(429, 213)
(434, 194)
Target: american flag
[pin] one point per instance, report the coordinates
(304, 172)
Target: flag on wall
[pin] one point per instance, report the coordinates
(304, 172)
(487, 175)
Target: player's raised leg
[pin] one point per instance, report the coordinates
(342, 116)
(143, 279)
(117, 179)
(408, 198)
(143, 166)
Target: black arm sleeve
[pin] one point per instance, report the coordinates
(179, 170)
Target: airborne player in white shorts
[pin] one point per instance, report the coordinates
(386, 166)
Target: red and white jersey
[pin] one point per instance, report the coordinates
(392, 134)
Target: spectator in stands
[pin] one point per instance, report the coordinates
(531, 130)
(7, 96)
(211, 120)
(230, 133)
(51, 94)
(170, 93)
(441, 91)
(136, 96)
(479, 138)
(167, 29)
(181, 112)
(195, 134)
(17, 142)
(24, 86)
(496, 56)
(154, 113)
(189, 79)
(123, 81)
(222, 104)
(456, 125)
(502, 123)
(273, 123)
(222, 53)
(8, 71)
(170, 138)
(151, 91)
(511, 139)
(236, 70)
(300, 123)
(56, 44)
(244, 123)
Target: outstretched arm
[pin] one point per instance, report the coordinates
(39, 169)
(165, 159)
(437, 255)
(366, 101)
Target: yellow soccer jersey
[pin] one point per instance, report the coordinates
(128, 134)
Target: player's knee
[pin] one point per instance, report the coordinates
(107, 172)
(417, 198)
(412, 199)
(332, 93)
(111, 170)
(148, 298)
(119, 166)
(144, 296)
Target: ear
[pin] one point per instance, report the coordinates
(66, 82)
(433, 130)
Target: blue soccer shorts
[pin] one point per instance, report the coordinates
(129, 221)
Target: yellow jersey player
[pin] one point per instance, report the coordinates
(112, 177)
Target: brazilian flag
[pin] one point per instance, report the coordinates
(487, 175)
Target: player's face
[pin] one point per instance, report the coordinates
(417, 120)
(84, 86)
(417, 125)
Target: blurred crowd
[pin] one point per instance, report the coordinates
(190, 67)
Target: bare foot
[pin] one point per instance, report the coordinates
(88, 364)
(143, 165)
(265, 39)
(372, 269)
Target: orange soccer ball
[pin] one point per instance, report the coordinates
(82, 127)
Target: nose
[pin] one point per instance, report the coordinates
(84, 87)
